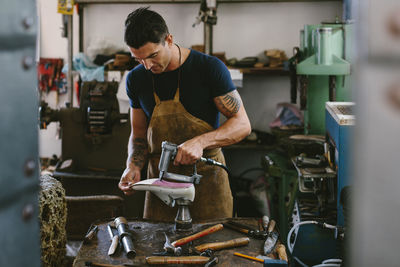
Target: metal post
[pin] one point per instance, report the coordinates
(208, 38)
(70, 80)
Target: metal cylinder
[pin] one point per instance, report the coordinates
(324, 47)
(125, 236)
(183, 220)
(302, 41)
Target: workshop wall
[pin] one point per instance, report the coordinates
(243, 29)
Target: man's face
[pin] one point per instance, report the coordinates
(154, 57)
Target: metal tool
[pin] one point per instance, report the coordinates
(168, 153)
(169, 249)
(272, 238)
(173, 194)
(125, 236)
(246, 230)
(114, 241)
(91, 234)
(175, 249)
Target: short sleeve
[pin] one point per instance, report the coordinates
(131, 92)
(219, 78)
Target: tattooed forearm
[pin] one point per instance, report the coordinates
(229, 104)
(138, 153)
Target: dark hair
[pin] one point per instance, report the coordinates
(143, 26)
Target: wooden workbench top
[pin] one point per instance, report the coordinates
(148, 237)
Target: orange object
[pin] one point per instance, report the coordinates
(205, 232)
(248, 257)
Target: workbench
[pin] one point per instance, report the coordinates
(148, 237)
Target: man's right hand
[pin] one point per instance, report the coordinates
(128, 178)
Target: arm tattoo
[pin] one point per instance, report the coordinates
(139, 154)
(229, 104)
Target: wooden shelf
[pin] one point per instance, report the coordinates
(263, 71)
(187, 1)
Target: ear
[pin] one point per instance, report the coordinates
(169, 40)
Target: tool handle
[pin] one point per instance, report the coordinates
(97, 264)
(242, 241)
(205, 232)
(236, 228)
(114, 245)
(248, 257)
(177, 260)
(265, 222)
(271, 226)
(281, 250)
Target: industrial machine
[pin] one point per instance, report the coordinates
(94, 144)
(174, 189)
(325, 189)
(323, 66)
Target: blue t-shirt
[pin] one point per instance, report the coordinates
(203, 77)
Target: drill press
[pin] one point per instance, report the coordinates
(174, 189)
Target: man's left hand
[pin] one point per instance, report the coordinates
(188, 152)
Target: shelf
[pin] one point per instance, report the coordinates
(249, 145)
(187, 1)
(263, 71)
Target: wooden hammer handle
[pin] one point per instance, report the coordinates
(226, 244)
(271, 226)
(205, 232)
(177, 260)
(281, 250)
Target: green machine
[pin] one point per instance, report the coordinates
(323, 68)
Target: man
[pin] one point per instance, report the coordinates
(176, 95)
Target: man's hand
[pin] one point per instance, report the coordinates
(128, 178)
(189, 152)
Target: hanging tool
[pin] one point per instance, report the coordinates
(249, 231)
(238, 242)
(177, 260)
(114, 241)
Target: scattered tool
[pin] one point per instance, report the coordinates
(91, 234)
(125, 236)
(97, 264)
(271, 239)
(281, 250)
(246, 230)
(177, 260)
(114, 241)
(190, 238)
(248, 257)
(169, 249)
(242, 241)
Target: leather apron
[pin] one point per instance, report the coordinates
(171, 122)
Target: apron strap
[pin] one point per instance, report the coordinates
(176, 97)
